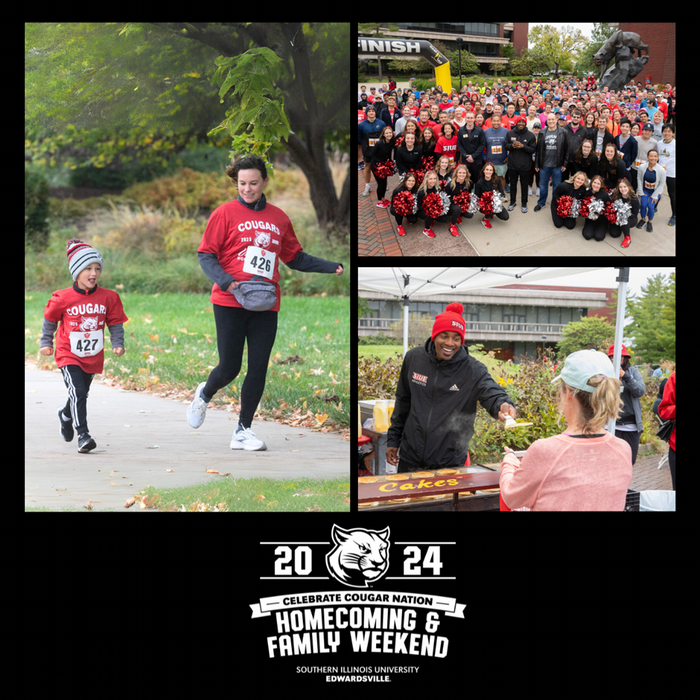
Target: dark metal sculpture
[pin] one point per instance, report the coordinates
(621, 46)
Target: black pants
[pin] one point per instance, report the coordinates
(513, 177)
(632, 439)
(78, 384)
(233, 327)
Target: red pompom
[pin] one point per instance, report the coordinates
(455, 307)
(485, 203)
(564, 205)
(462, 200)
(432, 205)
(403, 203)
(383, 169)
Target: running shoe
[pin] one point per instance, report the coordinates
(626, 242)
(402, 230)
(86, 443)
(428, 232)
(486, 222)
(67, 432)
(197, 410)
(244, 439)
(454, 231)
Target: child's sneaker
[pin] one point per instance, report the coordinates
(67, 432)
(244, 439)
(86, 443)
(197, 410)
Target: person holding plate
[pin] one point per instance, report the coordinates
(436, 396)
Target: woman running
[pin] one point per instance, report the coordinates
(240, 252)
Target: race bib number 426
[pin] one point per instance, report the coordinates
(259, 261)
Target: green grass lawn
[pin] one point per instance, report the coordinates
(170, 342)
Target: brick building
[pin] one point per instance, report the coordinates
(661, 38)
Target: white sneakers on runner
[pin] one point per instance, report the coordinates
(245, 440)
(197, 410)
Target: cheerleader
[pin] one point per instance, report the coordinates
(458, 184)
(625, 193)
(488, 182)
(408, 155)
(596, 228)
(444, 171)
(574, 187)
(410, 184)
(428, 143)
(430, 186)
(381, 156)
(585, 160)
(612, 167)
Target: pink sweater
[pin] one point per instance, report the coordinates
(567, 473)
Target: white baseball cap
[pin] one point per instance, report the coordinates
(580, 366)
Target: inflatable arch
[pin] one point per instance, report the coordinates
(401, 47)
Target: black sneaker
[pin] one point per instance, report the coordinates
(67, 432)
(86, 443)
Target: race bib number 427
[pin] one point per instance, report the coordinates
(86, 343)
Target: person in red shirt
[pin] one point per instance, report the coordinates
(240, 252)
(667, 411)
(83, 311)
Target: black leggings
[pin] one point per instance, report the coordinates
(78, 384)
(233, 327)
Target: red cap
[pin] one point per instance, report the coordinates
(625, 351)
(450, 320)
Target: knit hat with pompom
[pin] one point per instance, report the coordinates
(80, 255)
(449, 320)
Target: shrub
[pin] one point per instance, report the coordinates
(36, 210)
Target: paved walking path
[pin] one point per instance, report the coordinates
(140, 436)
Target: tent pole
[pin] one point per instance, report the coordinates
(623, 279)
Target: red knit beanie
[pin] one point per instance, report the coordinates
(450, 320)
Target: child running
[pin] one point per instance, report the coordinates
(83, 311)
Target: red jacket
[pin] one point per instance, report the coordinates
(667, 407)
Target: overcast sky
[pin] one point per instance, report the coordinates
(608, 276)
(585, 27)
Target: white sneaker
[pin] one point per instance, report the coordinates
(245, 440)
(197, 410)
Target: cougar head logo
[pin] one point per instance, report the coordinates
(360, 556)
(88, 323)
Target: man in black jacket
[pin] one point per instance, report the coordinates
(471, 143)
(520, 144)
(435, 407)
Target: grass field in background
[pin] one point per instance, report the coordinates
(170, 342)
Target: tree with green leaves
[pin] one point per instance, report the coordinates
(556, 48)
(105, 94)
(591, 332)
(653, 312)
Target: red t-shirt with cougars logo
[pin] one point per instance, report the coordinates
(249, 244)
(83, 317)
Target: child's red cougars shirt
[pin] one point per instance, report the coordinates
(83, 317)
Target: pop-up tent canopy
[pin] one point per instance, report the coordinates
(406, 282)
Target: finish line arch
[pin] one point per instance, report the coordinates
(402, 47)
